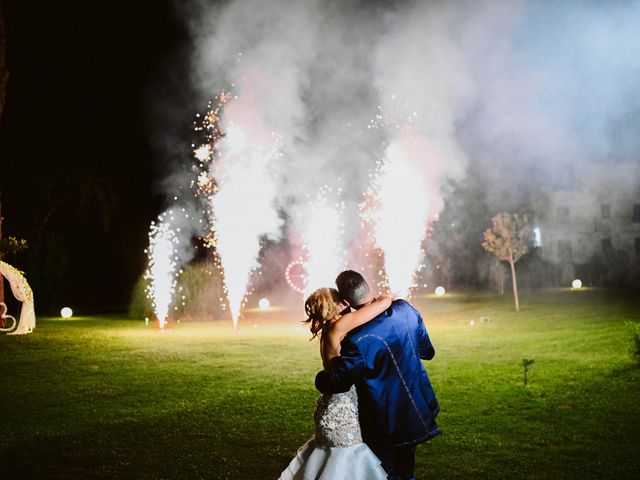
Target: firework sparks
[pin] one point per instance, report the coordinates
(163, 267)
(203, 153)
(242, 208)
(323, 242)
(401, 218)
(296, 276)
(402, 198)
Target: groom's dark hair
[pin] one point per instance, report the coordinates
(353, 287)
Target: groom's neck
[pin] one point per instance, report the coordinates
(364, 304)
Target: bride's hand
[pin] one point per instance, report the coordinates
(390, 296)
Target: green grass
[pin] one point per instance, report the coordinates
(112, 398)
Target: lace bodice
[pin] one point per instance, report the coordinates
(336, 420)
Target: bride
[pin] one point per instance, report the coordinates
(336, 451)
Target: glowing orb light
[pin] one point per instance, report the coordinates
(440, 291)
(66, 312)
(264, 303)
(577, 283)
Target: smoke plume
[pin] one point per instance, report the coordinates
(527, 87)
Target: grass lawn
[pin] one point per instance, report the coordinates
(98, 397)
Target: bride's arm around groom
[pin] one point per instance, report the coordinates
(383, 358)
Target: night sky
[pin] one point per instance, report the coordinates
(78, 131)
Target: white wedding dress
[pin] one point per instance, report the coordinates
(336, 451)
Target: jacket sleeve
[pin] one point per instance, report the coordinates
(348, 368)
(425, 347)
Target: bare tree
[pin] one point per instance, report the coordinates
(509, 241)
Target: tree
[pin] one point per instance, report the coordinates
(453, 243)
(509, 241)
(4, 74)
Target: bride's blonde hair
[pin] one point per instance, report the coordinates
(321, 306)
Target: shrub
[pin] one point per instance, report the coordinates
(198, 292)
(47, 270)
(634, 333)
(140, 306)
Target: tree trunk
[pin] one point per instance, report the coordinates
(515, 283)
(1, 279)
(4, 74)
(3, 84)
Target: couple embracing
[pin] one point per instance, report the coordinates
(377, 403)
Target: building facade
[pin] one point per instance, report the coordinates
(592, 227)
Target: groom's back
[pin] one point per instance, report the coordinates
(397, 403)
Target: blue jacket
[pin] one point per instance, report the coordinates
(397, 405)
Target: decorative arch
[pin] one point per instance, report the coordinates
(22, 291)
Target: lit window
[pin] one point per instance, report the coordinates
(537, 237)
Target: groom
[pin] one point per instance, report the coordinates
(397, 405)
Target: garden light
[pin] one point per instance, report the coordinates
(440, 291)
(66, 312)
(264, 303)
(577, 283)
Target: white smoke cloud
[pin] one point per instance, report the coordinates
(506, 84)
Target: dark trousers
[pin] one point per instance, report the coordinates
(398, 462)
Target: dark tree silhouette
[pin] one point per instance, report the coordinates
(4, 73)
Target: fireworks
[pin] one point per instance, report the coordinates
(323, 245)
(397, 206)
(401, 218)
(209, 132)
(163, 266)
(203, 153)
(296, 276)
(243, 214)
(234, 191)
(232, 186)
(243, 206)
(323, 242)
